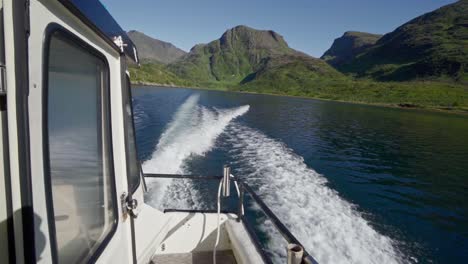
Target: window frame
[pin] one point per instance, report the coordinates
(127, 95)
(76, 41)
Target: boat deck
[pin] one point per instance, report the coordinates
(223, 256)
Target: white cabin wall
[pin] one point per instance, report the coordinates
(3, 195)
(3, 171)
(3, 208)
(12, 129)
(44, 12)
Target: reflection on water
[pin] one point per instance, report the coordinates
(405, 170)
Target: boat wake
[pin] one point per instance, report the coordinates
(193, 131)
(330, 227)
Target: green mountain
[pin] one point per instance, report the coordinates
(150, 49)
(425, 60)
(431, 46)
(240, 56)
(345, 48)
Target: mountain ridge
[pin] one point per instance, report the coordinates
(240, 52)
(151, 49)
(431, 46)
(348, 46)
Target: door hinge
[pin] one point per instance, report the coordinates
(129, 206)
(3, 88)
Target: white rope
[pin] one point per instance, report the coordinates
(219, 215)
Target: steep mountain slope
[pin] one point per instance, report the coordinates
(150, 49)
(346, 47)
(432, 46)
(294, 75)
(237, 56)
(155, 73)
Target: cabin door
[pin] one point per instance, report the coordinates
(76, 140)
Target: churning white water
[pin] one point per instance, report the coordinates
(192, 131)
(328, 226)
(332, 230)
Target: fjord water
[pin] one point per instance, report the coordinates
(355, 183)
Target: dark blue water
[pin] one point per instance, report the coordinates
(355, 183)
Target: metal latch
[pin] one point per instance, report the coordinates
(129, 206)
(2, 79)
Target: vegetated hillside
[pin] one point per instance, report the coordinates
(345, 48)
(413, 94)
(150, 49)
(291, 72)
(431, 46)
(299, 77)
(155, 73)
(239, 53)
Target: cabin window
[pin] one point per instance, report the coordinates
(132, 156)
(79, 156)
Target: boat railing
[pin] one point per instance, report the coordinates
(243, 188)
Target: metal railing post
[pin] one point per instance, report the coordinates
(295, 253)
(240, 212)
(226, 181)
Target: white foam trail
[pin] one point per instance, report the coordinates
(192, 131)
(330, 228)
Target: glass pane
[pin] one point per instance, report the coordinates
(133, 163)
(79, 169)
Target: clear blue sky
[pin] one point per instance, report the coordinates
(307, 25)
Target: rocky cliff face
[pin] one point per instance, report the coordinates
(347, 47)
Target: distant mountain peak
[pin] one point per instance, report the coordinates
(242, 27)
(250, 37)
(348, 46)
(154, 49)
(353, 33)
(254, 38)
(240, 52)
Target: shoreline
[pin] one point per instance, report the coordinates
(387, 105)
